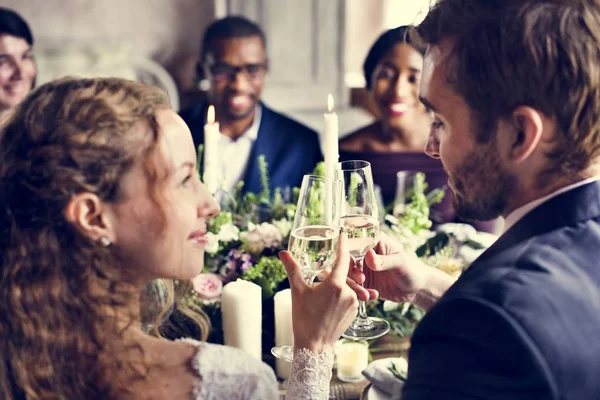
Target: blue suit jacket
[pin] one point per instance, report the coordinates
(291, 149)
(523, 322)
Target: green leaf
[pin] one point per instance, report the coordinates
(265, 194)
(433, 245)
(268, 273)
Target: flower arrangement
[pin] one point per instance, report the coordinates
(246, 236)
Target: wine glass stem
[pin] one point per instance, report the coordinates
(309, 279)
(362, 318)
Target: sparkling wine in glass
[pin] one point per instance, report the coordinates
(315, 233)
(360, 221)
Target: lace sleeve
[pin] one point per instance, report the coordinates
(228, 373)
(311, 374)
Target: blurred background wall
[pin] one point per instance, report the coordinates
(316, 46)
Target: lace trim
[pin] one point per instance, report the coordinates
(311, 375)
(229, 373)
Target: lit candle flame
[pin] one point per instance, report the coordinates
(330, 102)
(210, 118)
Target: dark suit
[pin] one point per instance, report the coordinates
(523, 322)
(291, 149)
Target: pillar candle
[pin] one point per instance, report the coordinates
(241, 305)
(211, 150)
(284, 334)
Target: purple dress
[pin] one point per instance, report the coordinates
(385, 166)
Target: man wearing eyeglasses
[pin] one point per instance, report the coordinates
(234, 63)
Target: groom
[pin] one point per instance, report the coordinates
(515, 88)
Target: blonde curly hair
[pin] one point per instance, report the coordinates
(56, 339)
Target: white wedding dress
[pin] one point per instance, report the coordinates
(229, 373)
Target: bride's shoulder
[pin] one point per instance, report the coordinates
(229, 371)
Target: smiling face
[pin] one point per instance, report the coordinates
(395, 85)
(480, 181)
(236, 69)
(17, 71)
(160, 226)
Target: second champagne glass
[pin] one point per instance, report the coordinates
(315, 232)
(360, 221)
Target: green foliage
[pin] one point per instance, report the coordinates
(319, 169)
(403, 317)
(402, 375)
(220, 219)
(416, 213)
(265, 194)
(268, 273)
(433, 245)
(199, 158)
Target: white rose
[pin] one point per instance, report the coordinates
(260, 237)
(269, 234)
(228, 233)
(253, 242)
(283, 226)
(212, 243)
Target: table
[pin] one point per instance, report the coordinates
(387, 346)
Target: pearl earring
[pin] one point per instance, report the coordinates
(105, 241)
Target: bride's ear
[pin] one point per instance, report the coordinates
(89, 214)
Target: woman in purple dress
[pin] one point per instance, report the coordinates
(396, 141)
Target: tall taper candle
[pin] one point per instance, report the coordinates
(211, 150)
(330, 152)
(241, 305)
(330, 137)
(284, 334)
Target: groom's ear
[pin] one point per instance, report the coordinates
(527, 125)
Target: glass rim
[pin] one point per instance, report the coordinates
(355, 165)
(406, 172)
(322, 178)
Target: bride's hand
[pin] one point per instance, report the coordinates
(321, 313)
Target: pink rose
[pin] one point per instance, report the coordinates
(208, 286)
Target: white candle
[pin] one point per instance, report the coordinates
(352, 357)
(330, 138)
(284, 334)
(330, 153)
(211, 150)
(241, 305)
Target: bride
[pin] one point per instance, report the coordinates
(100, 196)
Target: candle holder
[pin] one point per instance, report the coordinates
(352, 357)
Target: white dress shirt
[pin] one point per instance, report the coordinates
(517, 214)
(235, 154)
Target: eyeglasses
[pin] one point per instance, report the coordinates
(223, 72)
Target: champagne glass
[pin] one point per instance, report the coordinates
(315, 233)
(405, 189)
(360, 220)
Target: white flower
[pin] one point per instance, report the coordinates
(452, 267)
(390, 306)
(212, 243)
(284, 226)
(228, 233)
(260, 237)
